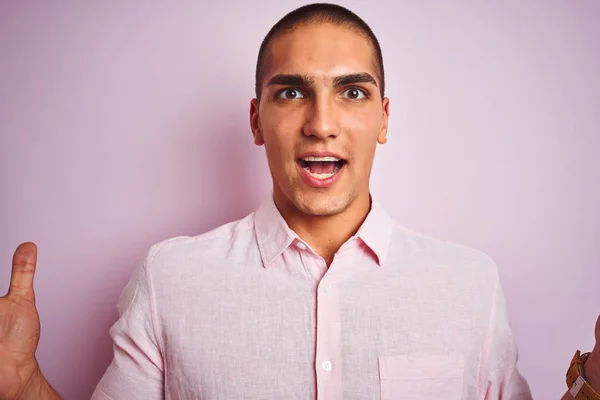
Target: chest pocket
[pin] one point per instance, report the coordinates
(421, 377)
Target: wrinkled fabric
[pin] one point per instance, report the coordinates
(250, 311)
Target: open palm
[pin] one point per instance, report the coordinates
(593, 362)
(19, 325)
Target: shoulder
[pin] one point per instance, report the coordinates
(434, 252)
(216, 243)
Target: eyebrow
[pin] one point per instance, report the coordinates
(305, 81)
(362, 77)
(290, 80)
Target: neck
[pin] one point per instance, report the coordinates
(326, 234)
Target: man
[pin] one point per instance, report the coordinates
(319, 293)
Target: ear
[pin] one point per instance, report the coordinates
(255, 123)
(382, 137)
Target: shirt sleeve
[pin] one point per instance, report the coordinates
(136, 371)
(500, 377)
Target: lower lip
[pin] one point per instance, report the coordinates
(320, 183)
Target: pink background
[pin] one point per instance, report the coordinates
(123, 124)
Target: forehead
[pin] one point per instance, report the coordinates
(321, 50)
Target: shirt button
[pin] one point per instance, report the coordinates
(326, 289)
(326, 366)
(301, 246)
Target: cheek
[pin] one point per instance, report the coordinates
(280, 133)
(365, 119)
(363, 130)
(280, 145)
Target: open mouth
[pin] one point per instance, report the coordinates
(321, 167)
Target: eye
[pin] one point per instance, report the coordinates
(355, 94)
(290, 94)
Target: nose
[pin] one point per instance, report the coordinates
(322, 120)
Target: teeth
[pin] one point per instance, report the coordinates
(311, 158)
(321, 176)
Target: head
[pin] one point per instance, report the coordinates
(320, 108)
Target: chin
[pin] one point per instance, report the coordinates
(321, 205)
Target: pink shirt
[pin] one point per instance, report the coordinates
(250, 311)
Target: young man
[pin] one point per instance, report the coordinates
(319, 293)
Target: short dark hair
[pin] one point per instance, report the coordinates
(318, 13)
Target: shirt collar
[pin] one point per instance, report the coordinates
(376, 231)
(272, 232)
(274, 235)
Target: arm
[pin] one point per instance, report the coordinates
(592, 365)
(38, 388)
(137, 368)
(500, 378)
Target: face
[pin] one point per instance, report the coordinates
(320, 117)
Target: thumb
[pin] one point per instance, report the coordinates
(598, 332)
(23, 269)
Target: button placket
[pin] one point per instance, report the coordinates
(328, 349)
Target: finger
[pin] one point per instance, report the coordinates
(23, 269)
(598, 331)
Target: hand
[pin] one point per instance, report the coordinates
(592, 365)
(19, 328)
